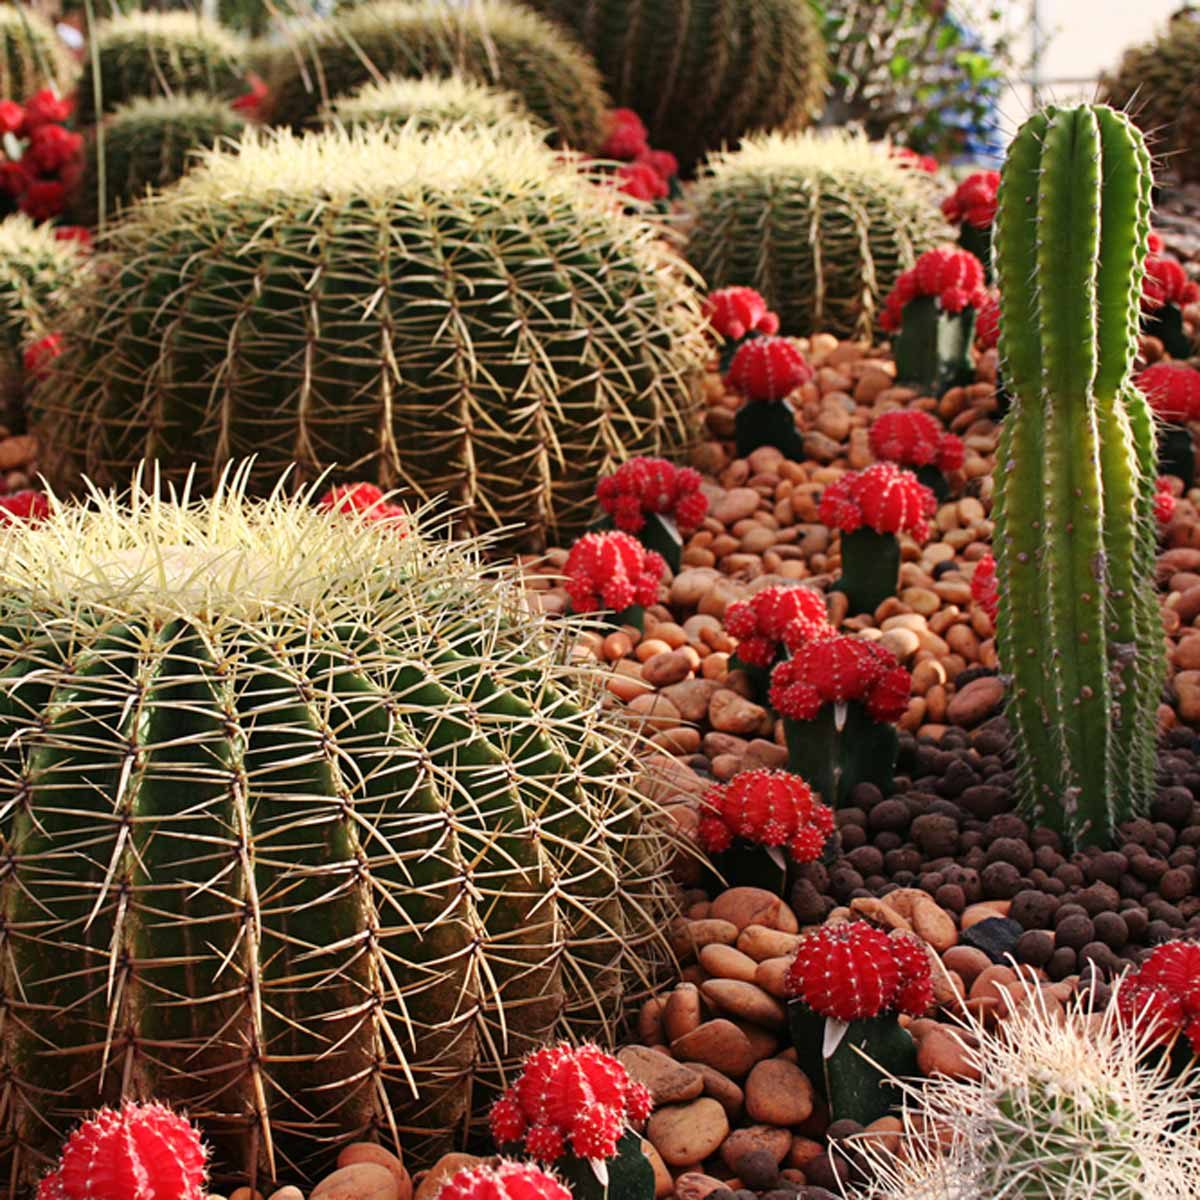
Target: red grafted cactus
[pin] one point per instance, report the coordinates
(652, 485)
(853, 971)
(768, 368)
(1164, 993)
(906, 156)
(913, 438)
(882, 497)
(840, 667)
(137, 1152)
(736, 311)
(954, 277)
(767, 808)
(973, 202)
(506, 1181)
(1166, 282)
(760, 622)
(612, 571)
(1173, 390)
(984, 590)
(25, 505)
(987, 323)
(1164, 502)
(642, 182)
(362, 500)
(627, 136)
(40, 354)
(569, 1098)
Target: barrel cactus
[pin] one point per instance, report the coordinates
(1078, 624)
(157, 54)
(150, 142)
(701, 75)
(822, 226)
(312, 830)
(451, 313)
(1159, 83)
(428, 103)
(31, 56)
(497, 43)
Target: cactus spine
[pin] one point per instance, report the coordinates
(1078, 627)
(31, 56)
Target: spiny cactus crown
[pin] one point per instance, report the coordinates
(734, 312)
(36, 270)
(768, 368)
(883, 497)
(914, 438)
(1173, 390)
(612, 571)
(834, 668)
(652, 485)
(761, 622)
(766, 808)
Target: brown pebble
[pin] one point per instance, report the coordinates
(747, 1001)
(761, 943)
(775, 1142)
(720, 1044)
(681, 1014)
(727, 963)
(686, 1134)
(744, 906)
(370, 1152)
(940, 1052)
(362, 1181)
(778, 1093)
(669, 1082)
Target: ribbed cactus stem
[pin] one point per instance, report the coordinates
(1076, 623)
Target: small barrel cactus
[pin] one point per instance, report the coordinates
(972, 207)
(515, 338)
(1166, 290)
(822, 226)
(497, 43)
(1078, 627)
(613, 572)
(336, 755)
(766, 371)
(31, 55)
(157, 54)
(136, 1152)
(1173, 393)
(507, 1180)
(701, 76)
(428, 103)
(149, 143)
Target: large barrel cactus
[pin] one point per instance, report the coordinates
(821, 225)
(454, 314)
(147, 143)
(495, 42)
(429, 103)
(31, 56)
(1078, 625)
(308, 828)
(704, 73)
(158, 54)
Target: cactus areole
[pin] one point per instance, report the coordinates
(1078, 627)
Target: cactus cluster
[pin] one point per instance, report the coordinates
(149, 143)
(138, 54)
(761, 622)
(494, 42)
(652, 487)
(914, 438)
(1078, 625)
(822, 226)
(320, 834)
(428, 102)
(765, 808)
(702, 75)
(612, 572)
(31, 55)
(479, 322)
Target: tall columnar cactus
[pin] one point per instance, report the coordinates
(150, 142)
(158, 54)
(822, 226)
(31, 56)
(453, 313)
(429, 103)
(1078, 626)
(498, 43)
(311, 830)
(701, 75)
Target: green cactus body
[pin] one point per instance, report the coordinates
(1074, 539)
(704, 73)
(498, 44)
(455, 314)
(31, 56)
(429, 104)
(150, 143)
(307, 836)
(933, 349)
(158, 54)
(822, 226)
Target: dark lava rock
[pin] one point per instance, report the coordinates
(1111, 929)
(1074, 931)
(1035, 947)
(1033, 909)
(997, 937)
(758, 1169)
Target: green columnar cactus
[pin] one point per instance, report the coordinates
(701, 75)
(457, 314)
(429, 103)
(822, 226)
(1078, 627)
(158, 54)
(311, 830)
(150, 143)
(31, 56)
(497, 43)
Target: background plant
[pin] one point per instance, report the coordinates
(31, 55)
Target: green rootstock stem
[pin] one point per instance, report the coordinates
(1177, 453)
(933, 350)
(767, 423)
(978, 242)
(841, 748)
(870, 569)
(1166, 324)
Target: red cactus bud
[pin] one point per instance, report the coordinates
(906, 156)
(882, 497)
(1176, 967)
(767, 618)
(736, 311)
(1164, 502)
(848, 972)
(840, 667)
(987, 323)
(1173, 390)
(652, 485)
(612, 571)
(50, 1188)
(952, 275)
(139, 1152)
(1166, 282)
(626, 136)
(915, 993)
(974, 200)
(984, 590)
(506, 1181)
(1152, 1008)
(766, 808)
(25, 505)
(768, 368)
(81, 235)
(913, 438)
(565, 1094)
(642, 182)
(1164, 993)
(40, 354)
(662, 162)
(363, 500)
